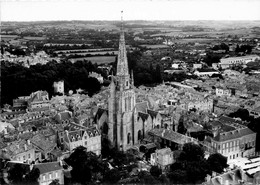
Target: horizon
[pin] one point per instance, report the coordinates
(142, 10)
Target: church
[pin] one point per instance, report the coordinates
(126, 122)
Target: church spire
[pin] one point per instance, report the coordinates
(122, 64)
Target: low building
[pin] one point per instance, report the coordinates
(233, 61)
(22, 151)
(49, 172)
(205, 72)
(162, 158)
(169, 138)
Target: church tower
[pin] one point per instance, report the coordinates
(121, 101)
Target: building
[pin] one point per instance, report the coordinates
(232, 61)
(205, 72)
(58, 87)
(236, 176)
(232, 139)
(39, 101)
(120, 120)
(49, 172)
(22, 151)
(224, 91)
(89, 138)
(162, 158)
(169, 138)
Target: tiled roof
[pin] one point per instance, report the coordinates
(65, 115)
(231, 177)
(164, 151)
(142, 107)
(228, 120)
(40, 142)
(171, 135)
(48, 167)
(233, 134)
(18, 147)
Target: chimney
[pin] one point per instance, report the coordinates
(28, 142)
(25, 147)
(17, 146)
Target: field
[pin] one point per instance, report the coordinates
(154, 46)
(199, 40)
(93, 53)
(97, 59)
(86, 50)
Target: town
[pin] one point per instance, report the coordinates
(129, 102)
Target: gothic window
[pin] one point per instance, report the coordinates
(125, 104)
(139, 135)
(126, 83)
(104, 128)
(128, 138)
(129, 103)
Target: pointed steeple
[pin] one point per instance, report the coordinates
(122, 64)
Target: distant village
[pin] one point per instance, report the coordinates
(154, 124)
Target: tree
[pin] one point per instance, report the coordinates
(178, 176)
(55, 182)
(155, 171)
(191, 152)
(112, 176)
(16, 174)
(146, 178)
(217, 162)
(86, 166)
(33, 176)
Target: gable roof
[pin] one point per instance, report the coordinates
(171, 135)
(142, 107)
(100, 112)
(143, 116)
(233, 134)
(48, 167)
(152, 113)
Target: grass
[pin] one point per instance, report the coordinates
(97, 59)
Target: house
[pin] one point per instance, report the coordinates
(231, 139)
(43, 145)
(162, 158)
(224, 91)
(63, 117)
(88, 137)
(39, 100)
(49, 172)
(22, 151)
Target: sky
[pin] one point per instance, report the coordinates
(45, 10)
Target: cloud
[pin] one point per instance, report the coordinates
(34, 10)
